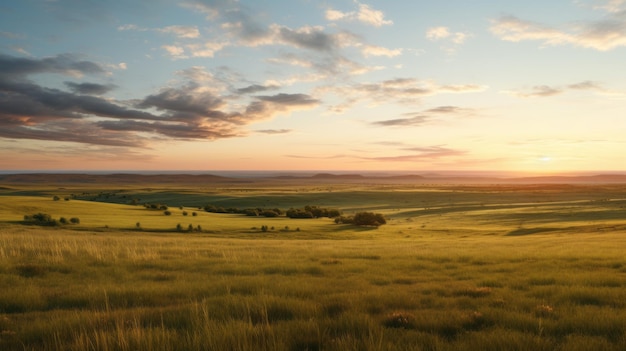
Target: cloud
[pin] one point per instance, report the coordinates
(256, 88)
(420, 154)
(12, 67)
(401, 90)
(437, 33)
(602, 35)
(290, 99)
(90, 88)
(365, 14)
(193, 110)
(402, 122)
(206, 49)
(416, 154)
(274, 131)
(175, 51)
(451, 40)
(268, 105)
(371, 50)
(547, 91)
(423, 117)
(183, 32)
(612, 6)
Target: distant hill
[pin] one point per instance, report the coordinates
(119, 178)
(133, 178)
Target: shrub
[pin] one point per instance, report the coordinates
(63, 220)
(75, 220)
(185, 213)
(56, 198)
(369, 219)
(167, 213)
(194, 214)
(41, 219)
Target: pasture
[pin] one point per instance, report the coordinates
(456, 267)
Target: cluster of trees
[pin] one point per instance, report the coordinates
(46, 219)
(252, 212)
(312, 212)
(363, 219)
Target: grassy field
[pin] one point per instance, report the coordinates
(515, 267)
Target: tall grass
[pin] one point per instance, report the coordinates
(454, 269)
(70, 290)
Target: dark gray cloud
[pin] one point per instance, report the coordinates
(12, 67)
(90, 88)
(289, 99)
(173, 130)
(307, 37)
(31, 111)
(255, 88)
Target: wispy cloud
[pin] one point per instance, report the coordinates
(274, 131)
(603, 35)
(183, 32)
(548, 91)
(414, 154)
(364, 14)
(423, 117)
(398, 90)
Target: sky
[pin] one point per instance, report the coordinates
(514, 86)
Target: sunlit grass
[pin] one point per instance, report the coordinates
(443, 280)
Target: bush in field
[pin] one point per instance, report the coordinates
(156, 207)
(41, 219)
(363, 219)
(167, 213)
(56, 198)
(369, 219)
(185, 213)
(75, 220)
(312, 212)
(63, 220)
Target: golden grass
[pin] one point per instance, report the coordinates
(466, 272)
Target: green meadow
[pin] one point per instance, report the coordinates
(456, 267)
